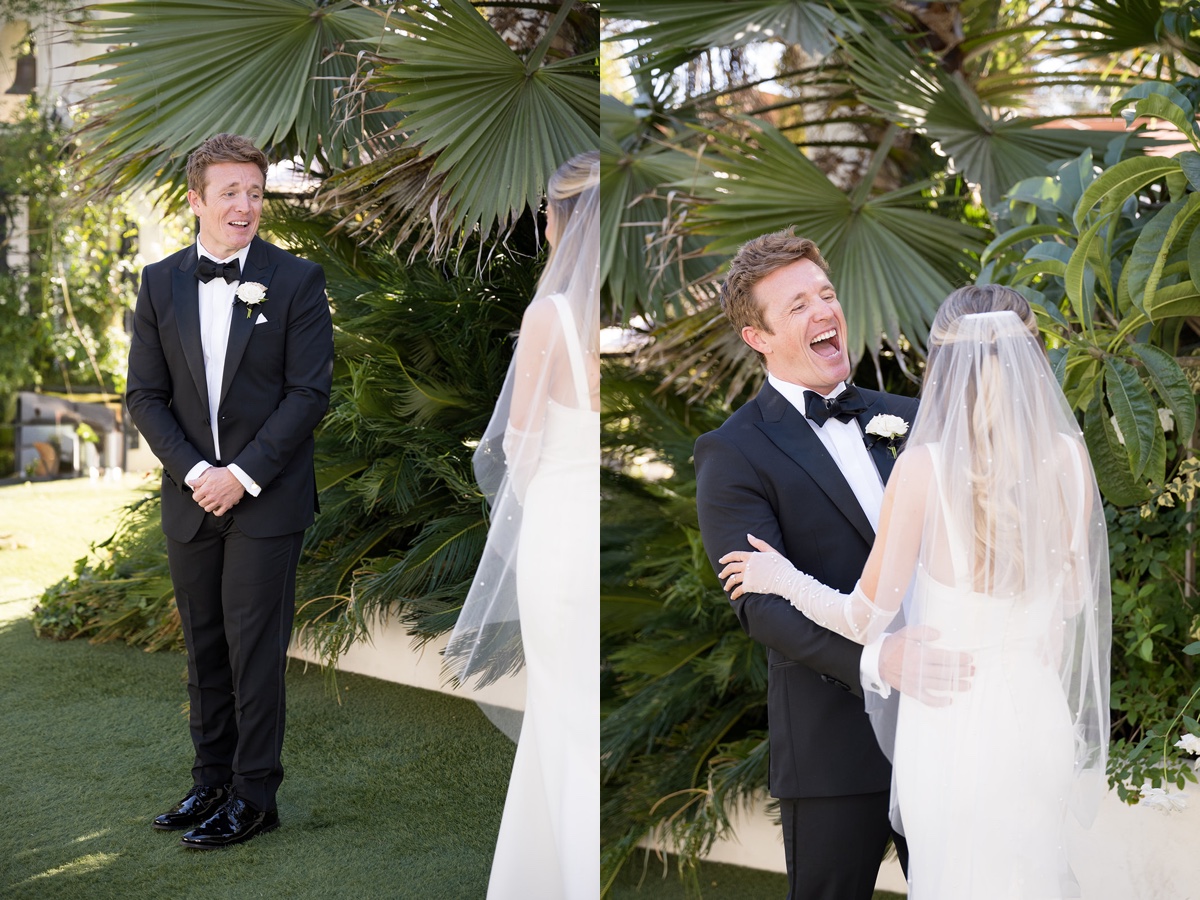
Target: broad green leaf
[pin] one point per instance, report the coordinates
(1014, 236)
(1122, 181)
(635, 212)
(1134, 408)
(1154, 245)
(1110, 461)
(1162, 101)
(1084, 259)
(1193, 256)
(1174, 300)
(1189, 163)
(1170, 383)
(992, 150)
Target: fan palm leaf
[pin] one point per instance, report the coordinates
(177, 72)
(893, 257)
(992, 150)
(483, 127)
(675, 32)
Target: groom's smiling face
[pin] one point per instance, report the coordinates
(805, 338)
(229, 208)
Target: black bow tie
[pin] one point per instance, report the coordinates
(844, 407)
(207, 270)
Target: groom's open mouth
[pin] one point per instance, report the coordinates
(240, 224)
(826, 344)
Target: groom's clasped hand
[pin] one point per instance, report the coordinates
(909, 659)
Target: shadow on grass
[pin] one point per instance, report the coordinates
(396, 792)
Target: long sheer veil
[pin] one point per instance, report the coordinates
(485, 645)
(1002, 504)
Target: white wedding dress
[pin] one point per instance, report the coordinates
(983, 783)
(549, 841)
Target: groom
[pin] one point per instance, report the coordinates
(795, 468)
(230, 368)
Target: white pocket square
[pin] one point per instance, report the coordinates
(261, 318)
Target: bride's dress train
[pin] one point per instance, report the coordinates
(982, 784)
(549, 841)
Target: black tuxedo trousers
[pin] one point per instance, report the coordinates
(236, 597)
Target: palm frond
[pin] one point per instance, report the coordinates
(174, 74)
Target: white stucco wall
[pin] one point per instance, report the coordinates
(391, 655)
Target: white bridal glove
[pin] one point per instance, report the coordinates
(769, 572)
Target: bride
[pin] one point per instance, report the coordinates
(993, 539)
(535, 598)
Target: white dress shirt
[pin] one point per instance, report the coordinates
(845, 443)
(216, 311)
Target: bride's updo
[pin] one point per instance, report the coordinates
(571, 179)
(993, 433)
(973, 299)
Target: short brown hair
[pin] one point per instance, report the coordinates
(755, 260)
(222, 148)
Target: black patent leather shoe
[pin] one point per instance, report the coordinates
(234, 823)
(200, 803)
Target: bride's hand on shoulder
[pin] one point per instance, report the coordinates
(735, 573)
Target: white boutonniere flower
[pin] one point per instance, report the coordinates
(250, 294)
(888, 428)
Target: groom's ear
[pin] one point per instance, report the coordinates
(754, 338)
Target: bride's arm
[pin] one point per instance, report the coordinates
(862, 614)
(532, 369)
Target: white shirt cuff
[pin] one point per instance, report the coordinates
(196, 471)
(248, 483)
(868, 669)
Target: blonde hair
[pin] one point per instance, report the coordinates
(222, 148)
(755, 260)
(569, 180)
(991, 409)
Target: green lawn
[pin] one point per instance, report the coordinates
(393, 792)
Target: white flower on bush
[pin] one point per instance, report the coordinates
(1164, 801)
(250, 294)
(1166, 419)
(1189, 743)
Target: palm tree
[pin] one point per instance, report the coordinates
(433, 125)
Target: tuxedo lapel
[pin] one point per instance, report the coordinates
(880, 452)
(785, 427)
(241, 325)
(185, 294)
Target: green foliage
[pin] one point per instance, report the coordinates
(61, 315)
(1106, 258)
(421, 352)
(466, 100)
(1155, 679)
(683, 694)
(120, 591)
(174, 74)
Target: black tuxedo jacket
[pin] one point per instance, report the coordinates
(764, 472)
(274, 391)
